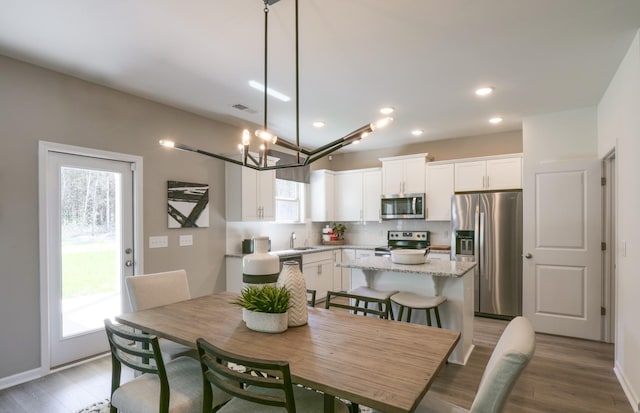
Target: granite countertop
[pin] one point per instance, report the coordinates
(309, 250)
(439, 268)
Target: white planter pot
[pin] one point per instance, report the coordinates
(266, 322)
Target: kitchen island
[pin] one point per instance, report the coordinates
(452, 279)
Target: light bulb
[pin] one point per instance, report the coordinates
(167, 143)
(364, 135)
(246, 137)
(495, 120)
(484, 91)
(381, 123)
(262, 147)
(240, 147)
(264, 135)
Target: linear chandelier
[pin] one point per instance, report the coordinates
(258, 159)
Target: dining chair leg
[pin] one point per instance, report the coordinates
(354, 408)
(400, 311)
(357, 305)
(428, 317)
(386, 315)
(437, 317)
(389, 310)
(408, 314)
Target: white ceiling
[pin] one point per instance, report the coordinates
(423, 57)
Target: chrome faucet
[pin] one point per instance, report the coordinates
(291, 239)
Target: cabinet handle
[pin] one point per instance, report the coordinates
(488, 184)
(319, 269)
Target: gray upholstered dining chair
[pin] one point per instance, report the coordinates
(153, 290)
(511, 355)
(172, 387)
(270, 392)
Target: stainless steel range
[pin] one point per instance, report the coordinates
(405, 240)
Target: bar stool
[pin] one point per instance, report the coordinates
(375, 294)
(418, 302)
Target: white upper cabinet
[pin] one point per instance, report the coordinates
(357, 196)
(250, 194)
(372, 190)
(348, 197)
(489, 174)
(439, 191)
(322, 187)
(403, 174)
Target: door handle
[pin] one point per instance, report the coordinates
(528, 256)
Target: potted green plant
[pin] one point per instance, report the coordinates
(338, 230)
(265, 307)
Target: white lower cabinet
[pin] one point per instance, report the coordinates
(318, 272)
(337, 271)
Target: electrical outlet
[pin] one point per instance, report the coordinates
(159, 242)
(186, 240)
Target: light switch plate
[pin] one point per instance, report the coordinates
(186, 240)
(159, 242)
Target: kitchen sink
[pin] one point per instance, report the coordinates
(304, 248)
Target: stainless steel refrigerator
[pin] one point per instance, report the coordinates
(486, 227)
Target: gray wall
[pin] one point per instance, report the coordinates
(463, 147)
(37, 104)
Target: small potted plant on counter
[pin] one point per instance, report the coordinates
(338, 231)
(265, 307)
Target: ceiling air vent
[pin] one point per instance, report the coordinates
(244, 108)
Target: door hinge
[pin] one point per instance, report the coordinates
(603, 246)
(603, 311)
(603, 181)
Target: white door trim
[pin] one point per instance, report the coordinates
(609, 256)
(44, 148)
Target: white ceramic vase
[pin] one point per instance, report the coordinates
(292, 278)
(260, 267)
(266, 322)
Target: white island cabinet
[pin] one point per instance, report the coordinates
(452, 279)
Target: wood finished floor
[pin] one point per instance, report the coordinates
(566, 375)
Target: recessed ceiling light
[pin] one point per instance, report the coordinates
(271, 92)
(484, 91)
(417, 132)
(318, 124)
(495, 120)
(387, 110)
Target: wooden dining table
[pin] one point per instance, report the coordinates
(384, 364)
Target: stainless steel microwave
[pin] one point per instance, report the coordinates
(402, 206)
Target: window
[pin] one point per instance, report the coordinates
(288, 201)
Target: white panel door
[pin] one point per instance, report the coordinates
(561, 270)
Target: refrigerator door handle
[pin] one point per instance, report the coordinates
(480, 243)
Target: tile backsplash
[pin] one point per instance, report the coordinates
(307, 234)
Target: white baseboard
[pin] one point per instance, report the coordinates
(20, 378)
(628, 390)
